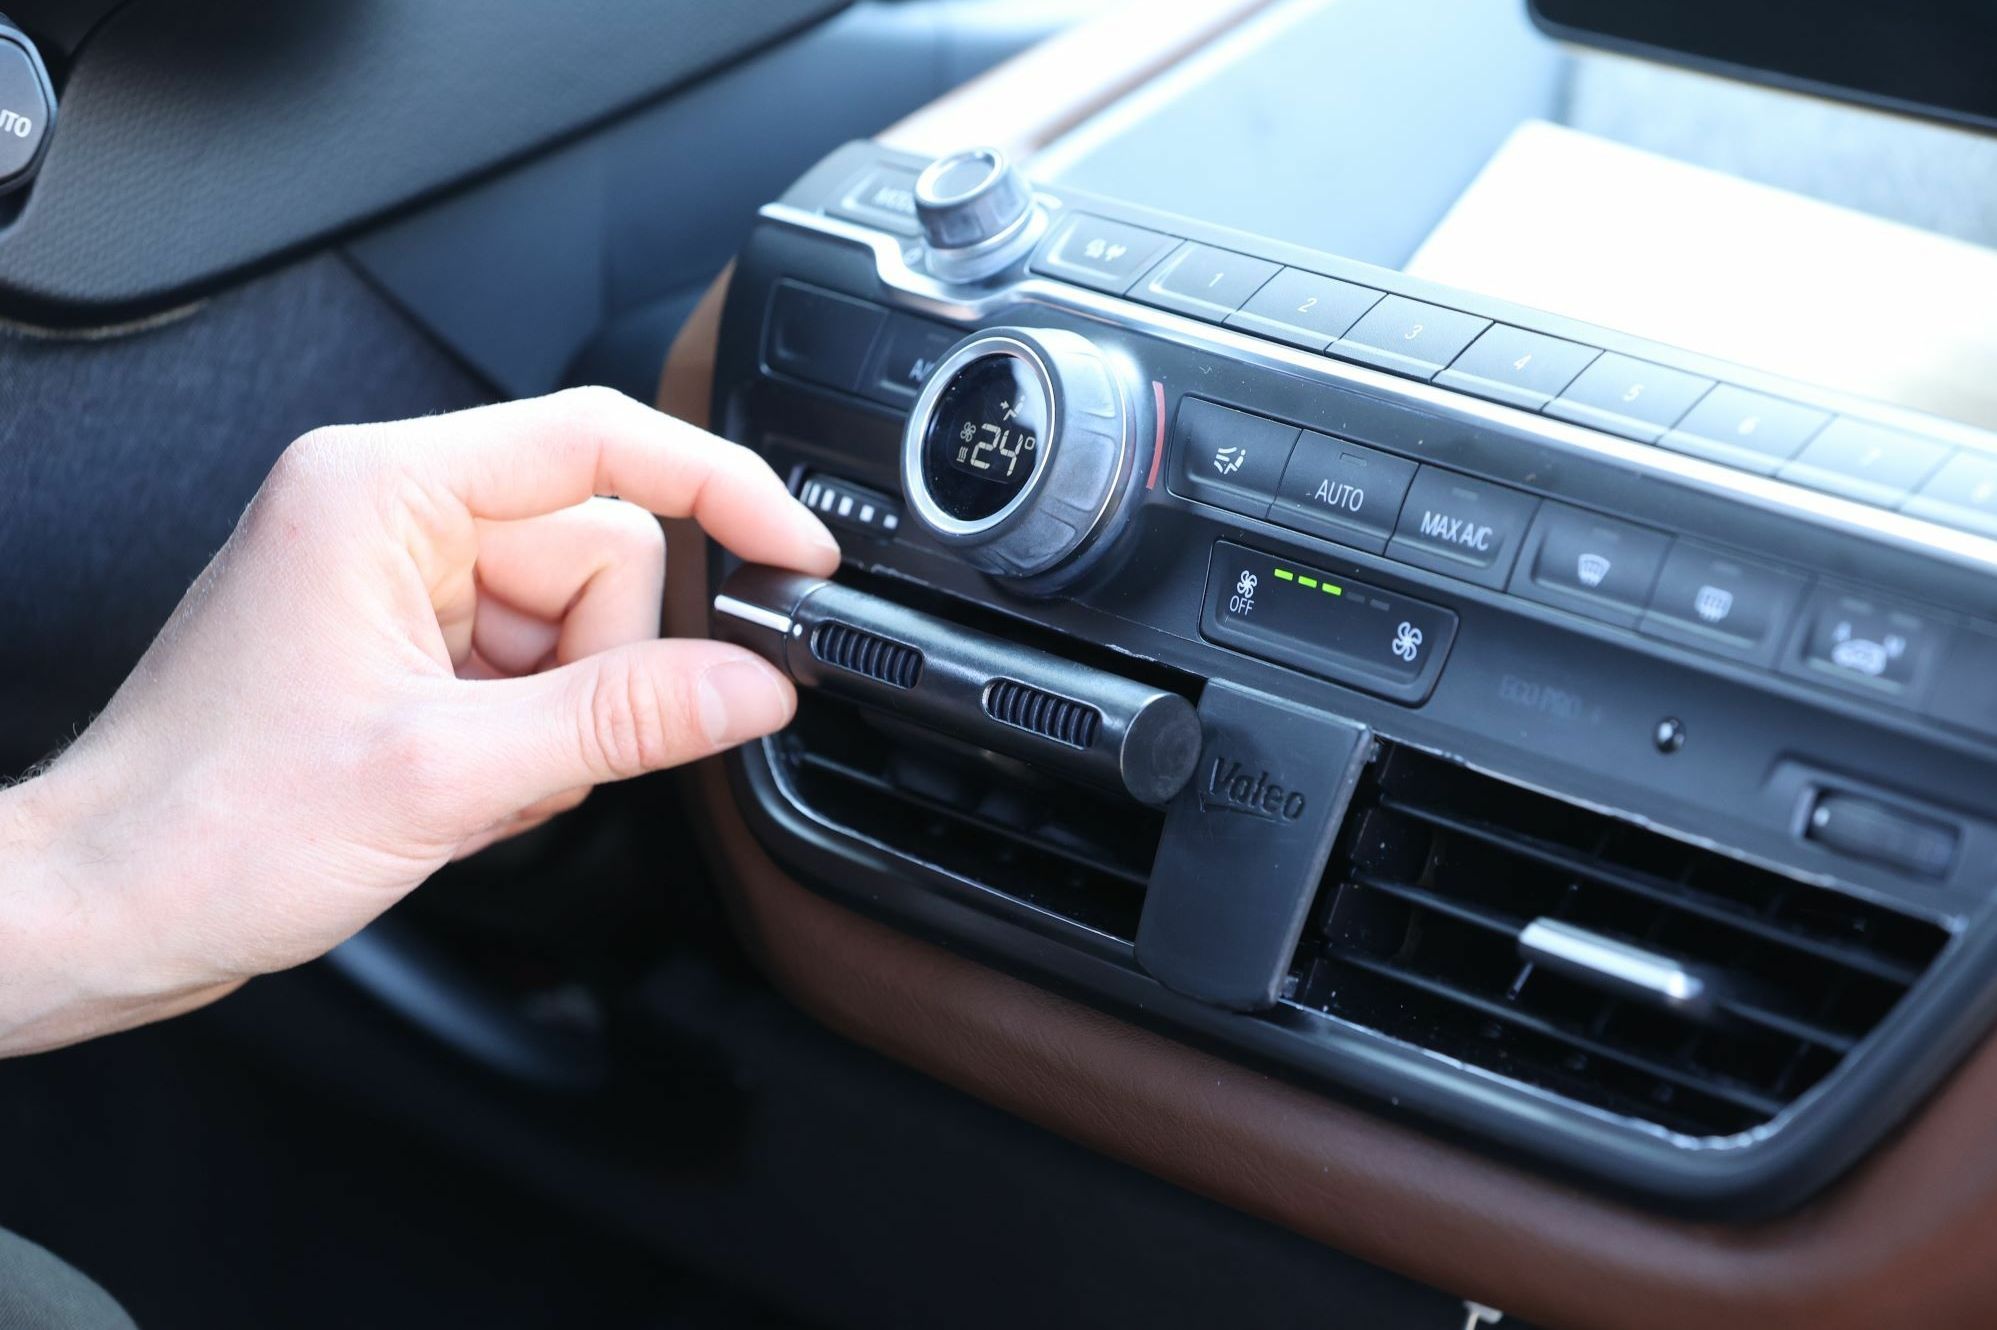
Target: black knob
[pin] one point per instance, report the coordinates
(1022, 450)
(27, 108)
(977, 213)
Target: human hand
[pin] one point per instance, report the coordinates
(422, 637)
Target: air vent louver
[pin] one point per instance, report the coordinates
(1036, 711)
(858, 651)
(1439, 869)
(1059, 846)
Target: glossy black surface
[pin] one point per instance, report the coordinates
(984, 437)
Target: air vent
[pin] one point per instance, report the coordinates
(858, 651)
(1049, 715)
(1056, 845)
(1440, 869)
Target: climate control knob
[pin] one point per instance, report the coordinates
(977, 213)
(1023, 451)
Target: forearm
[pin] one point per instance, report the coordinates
(74, 961)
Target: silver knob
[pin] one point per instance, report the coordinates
(977, 213)
(1022, 450)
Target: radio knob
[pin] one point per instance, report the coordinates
(977, 214)
(1022, 452)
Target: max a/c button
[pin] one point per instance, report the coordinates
(1467, 528)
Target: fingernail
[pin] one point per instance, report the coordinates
(816, 531)
(741, 699)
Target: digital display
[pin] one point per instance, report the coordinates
(984, 437)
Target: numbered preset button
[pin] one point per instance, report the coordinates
(1304, 309)
(1512, 365)
(1627, 396)
(1750, 430)
(1204, 281)
(1409, 337)
(1342, 491)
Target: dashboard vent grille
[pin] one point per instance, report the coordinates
(858, 651)
(1049, 715)
(1058, 846)
(1440, 868)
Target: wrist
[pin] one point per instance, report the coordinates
(71, 964)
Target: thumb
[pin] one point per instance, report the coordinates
(624, 712)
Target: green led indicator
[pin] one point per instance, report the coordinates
(1329, 589)
(1284, 575)
(1307, 581)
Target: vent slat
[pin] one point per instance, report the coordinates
(1492, 920)
(1671, 895)
(1038, 840)
(1440, 868)
(1737, 1095)
(1508, 926)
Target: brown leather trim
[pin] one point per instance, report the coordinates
(1909, 1239)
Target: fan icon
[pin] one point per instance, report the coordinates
(1407, 642)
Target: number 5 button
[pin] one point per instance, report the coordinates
(1627, 396)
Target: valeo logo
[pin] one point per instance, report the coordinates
(1230, 787)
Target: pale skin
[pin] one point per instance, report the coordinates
(421, 638)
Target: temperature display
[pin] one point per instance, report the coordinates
(984, 437)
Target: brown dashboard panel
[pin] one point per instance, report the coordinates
(1907, 1239)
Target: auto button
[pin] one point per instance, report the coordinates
(27, 108)
(1342, 491)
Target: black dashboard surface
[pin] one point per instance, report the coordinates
(201, 139)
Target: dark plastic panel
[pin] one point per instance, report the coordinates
(204, 137)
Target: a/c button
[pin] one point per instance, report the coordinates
(1467, 528)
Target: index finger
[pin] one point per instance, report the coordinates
(523, 459)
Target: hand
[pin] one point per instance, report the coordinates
(422, 637)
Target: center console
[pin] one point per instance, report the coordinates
(1580, 747)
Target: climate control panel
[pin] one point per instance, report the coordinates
(1552, 762)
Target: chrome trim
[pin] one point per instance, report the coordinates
(759, 615)
(1587, 956)
(915, 434)
(971, 304)
(974, 263)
